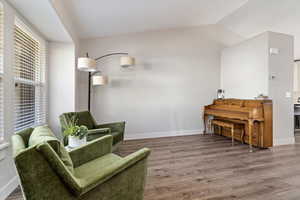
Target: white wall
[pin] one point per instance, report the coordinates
(64, 14)
(282, 67)
(61, 82)
(176, 74)
(244, 71)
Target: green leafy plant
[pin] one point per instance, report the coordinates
(72, 129)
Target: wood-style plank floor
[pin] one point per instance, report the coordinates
(209, 168)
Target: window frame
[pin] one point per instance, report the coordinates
(40, 85)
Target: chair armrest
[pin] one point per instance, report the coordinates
(56, 164)
(17, 145)
(114, 127)
(115, 168)
(100, 131)
(91, 150)
(97, 133)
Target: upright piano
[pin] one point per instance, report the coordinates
(253, 116)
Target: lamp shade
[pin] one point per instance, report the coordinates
(127, 61)
(86, 64)
(100, 80)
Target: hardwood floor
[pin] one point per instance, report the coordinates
(209, 168)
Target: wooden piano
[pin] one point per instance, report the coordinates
(254, 116)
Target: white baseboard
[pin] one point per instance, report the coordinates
(161, 134)
(9, 187)
(284, 141)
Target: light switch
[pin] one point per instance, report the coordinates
(288, 95)
(274, 51)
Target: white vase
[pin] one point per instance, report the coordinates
(76, 142)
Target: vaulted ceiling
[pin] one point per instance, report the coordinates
(257, 16)
(44, 17)
(96, 18)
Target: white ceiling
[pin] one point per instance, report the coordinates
(258, 16)
(96, 18)
(42, 15)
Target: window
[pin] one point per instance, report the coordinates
(29, 74)
(1, 75)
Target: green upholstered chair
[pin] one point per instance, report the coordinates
(92, 172)
(95, 130)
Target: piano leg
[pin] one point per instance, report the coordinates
(250, 130)
(242, 135)
(262, 124)
(205, 117)
(232, 136)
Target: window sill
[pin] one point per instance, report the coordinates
(3, 147)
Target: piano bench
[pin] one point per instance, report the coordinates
(224, 124)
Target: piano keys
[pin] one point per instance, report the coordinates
(254, 115)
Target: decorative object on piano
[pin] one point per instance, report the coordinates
(253, 119)
(261, 97)
(220, 94)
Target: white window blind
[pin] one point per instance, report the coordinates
(1, 75)
(29, 73)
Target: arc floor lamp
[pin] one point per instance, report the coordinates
(96, 77)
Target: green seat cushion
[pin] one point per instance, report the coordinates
(43, 134)
(88, 170)
(117, 137)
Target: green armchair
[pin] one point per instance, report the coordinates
(93, 171)
(95, 130)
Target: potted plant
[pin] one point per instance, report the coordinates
(76, 134)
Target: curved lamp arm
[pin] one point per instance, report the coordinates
(106, 55)
(110, 54)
